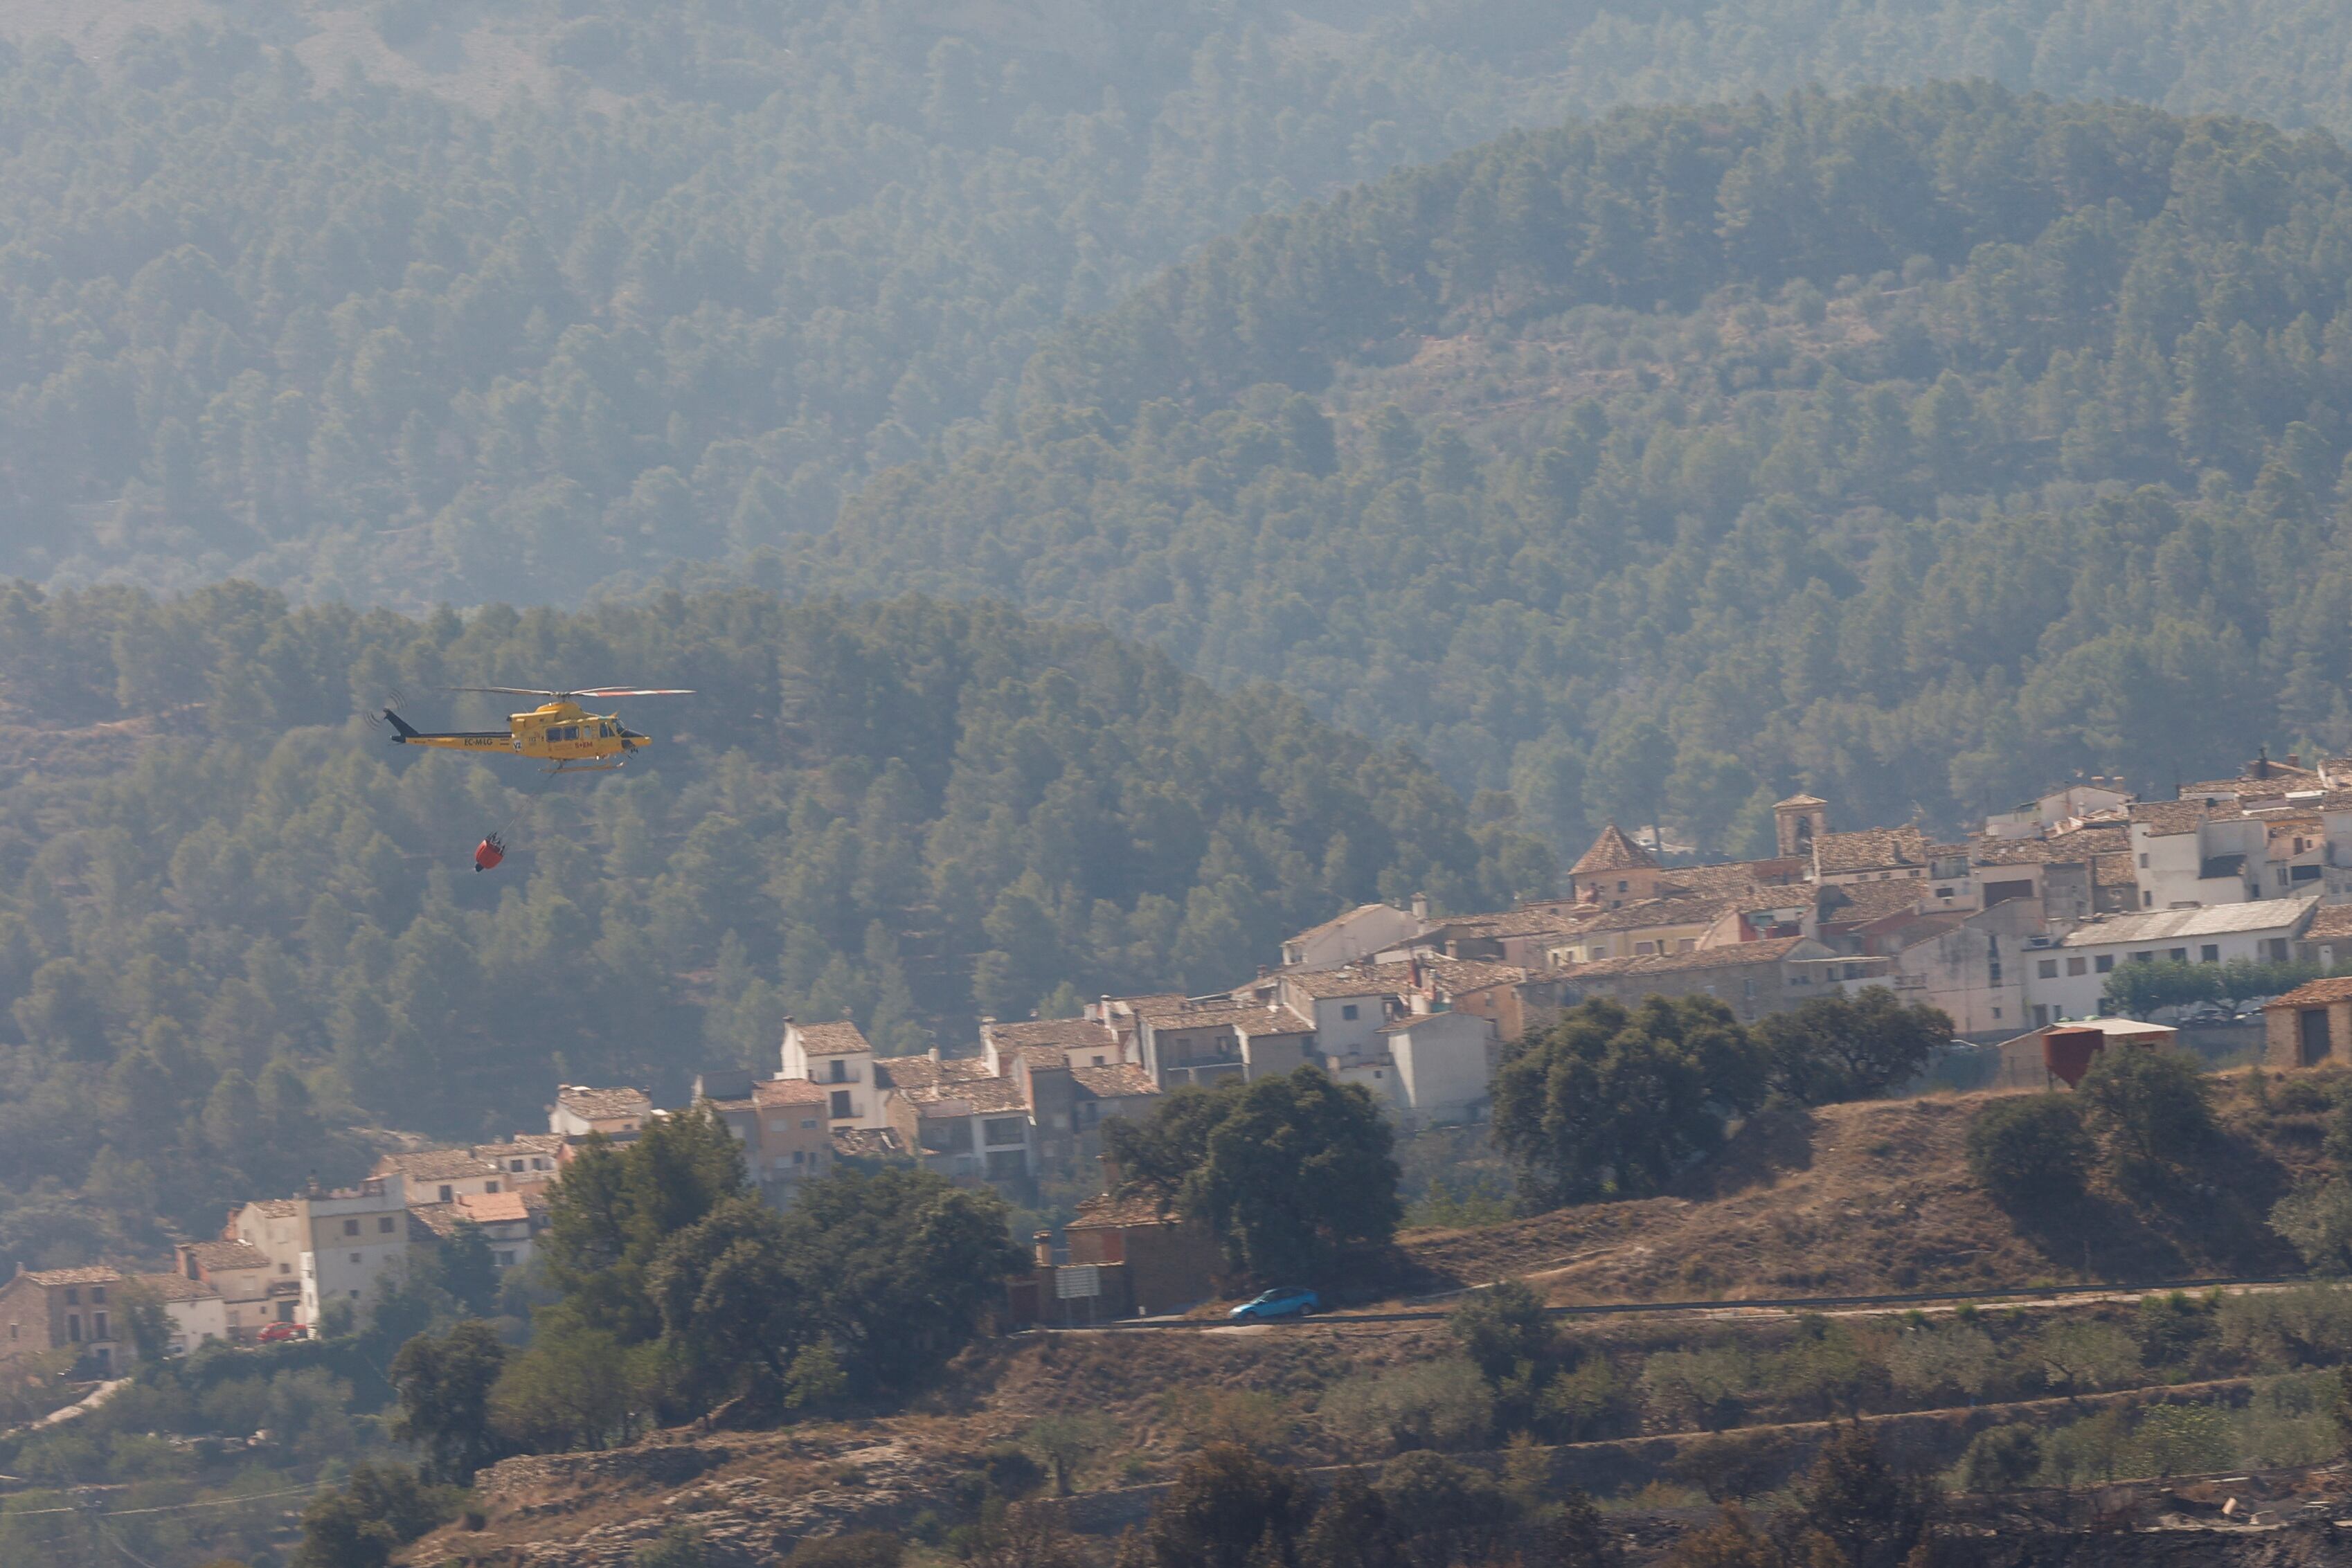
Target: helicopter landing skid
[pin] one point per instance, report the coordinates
(585, 767)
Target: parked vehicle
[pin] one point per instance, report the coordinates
(1277, 1304)
(274, 1333)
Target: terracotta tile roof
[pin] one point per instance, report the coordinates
(2113, 870)
(1649, 912)
(2315, 993)
(1340, 922)
(1870, 848)
(227, 1255)
(2163, 819)
(1257, 1022)
(2329, 922)
(2060, 848)
(436, 1164)
(1061, 1034)
(523, 1144)
(94, 1274)
(491, 1207)
(273, 1207)
(1736, 955)
(1104, 1211)
(923, 1073)
(984, 1096)
(1515, 923)
(1854, 904)
(438, 1220)
(601, 1104)
(787, 1092)
(1459, 977)
(1136, 1005)
(1612, 850)
(843, 1038)
(177, 1287)
(1799, 799)
(1732, 879)
(1119, 1083)
(1354, 980)
(868, 1143)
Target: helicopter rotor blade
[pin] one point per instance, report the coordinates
(631, 691)
(507, 690)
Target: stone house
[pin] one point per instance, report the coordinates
(67, 1309)
(2310, 1025)
(1169, 1263)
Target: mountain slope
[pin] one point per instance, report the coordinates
(256, 927)
(1911, 446)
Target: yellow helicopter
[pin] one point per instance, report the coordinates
(559, 732)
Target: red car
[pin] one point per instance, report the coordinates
(273, 1333)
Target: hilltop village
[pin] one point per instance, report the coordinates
(2015, 929)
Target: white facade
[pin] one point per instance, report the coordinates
(1363, 930)
(195, 1319)
(1445, 1064)
(2067, 978)
(358, 1242)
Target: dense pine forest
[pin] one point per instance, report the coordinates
(1914, 446)
(724, 262)
(215, 878)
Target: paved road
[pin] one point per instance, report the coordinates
(2028, 1296)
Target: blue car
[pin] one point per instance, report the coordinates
(1276, 1304)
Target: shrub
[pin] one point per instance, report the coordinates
(2030, 1150)
(2286, 1329)
(2183, 1439)
(1705, 1387)
(1442, 1404)
(2316, 1219)
(2000, 1459)
(2152, 1106)
(1449, 1514)
(1938, 1360)
(2081, 1357)
(865, 1549)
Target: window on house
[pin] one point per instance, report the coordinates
(98, 1326)
(1347, 1011)
(383, 1225)
(503, 1259)
(808, 1125)
(350, 1227)
(2142, 863)
(489, 1187)
(2148, 901)
(841, 1104)
(2209, 953)
(2046, 969)
(2077, 967)
(1621, 887)
(2178, 954)
(73, 1328)
(98, 1295)
(355, 1257)
(73, 1296)
(514, 1164)
(448, 1193)
(2103, 963)
(1996, 1012)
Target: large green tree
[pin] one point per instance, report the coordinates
(1611, 1101)
(1835, 1048)
(444, 1385)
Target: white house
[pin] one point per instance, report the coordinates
(2066, 977)
(195, 1308)
(838, 1058)
(1359, 934)
(1445, 1063)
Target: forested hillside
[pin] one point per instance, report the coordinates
(262, 925)
(385, 342)
(1913, 446)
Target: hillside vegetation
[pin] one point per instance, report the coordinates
(554, 293)
(248, 921)
(1914, 446)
